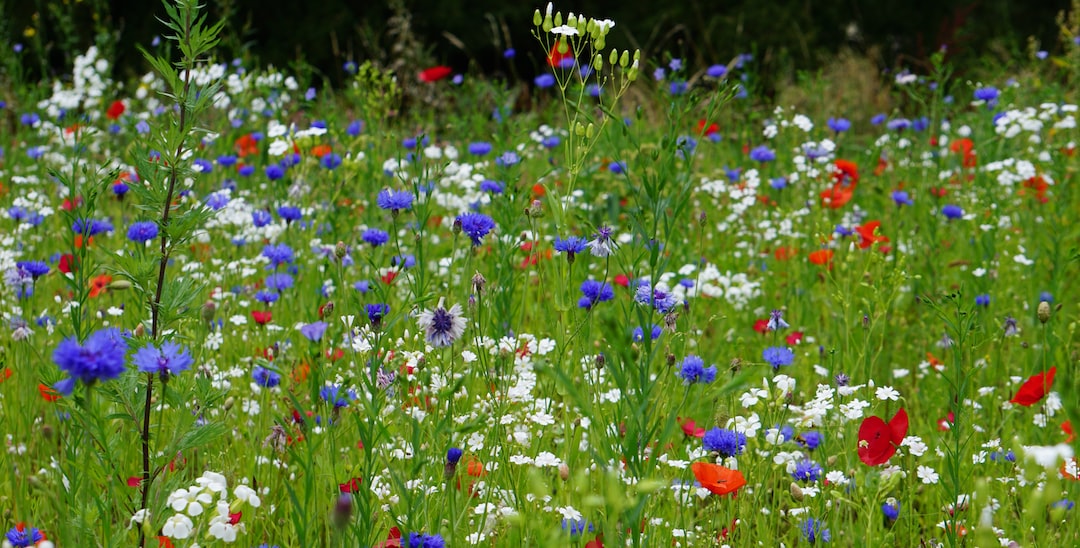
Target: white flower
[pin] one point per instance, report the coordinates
(248, 495)
(915, 445)
(178, 526)
(927, 475)
(887, 393)
(1050, 455)
(565, 30)
(138, 517)
(190, 501)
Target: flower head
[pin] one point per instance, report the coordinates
(602, 245)
(168, 360)
(728, 443)
(878, 440)
(693, 370)
(442, 326)
(142, 231)
(593, 292)
(778, 356)
(814, 530)
(718, 479)
(99, 358)
(265, 377)
(394, 200)
(475, 225)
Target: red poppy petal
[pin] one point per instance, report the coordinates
(898, 426)
(875, 442)
(1035, 388)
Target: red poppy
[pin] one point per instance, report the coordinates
(393, 539)
(718, 479)
(134, 481)
(1068, 429)
(878, 440)
(944, 424)
(246, 146)
(846, 173)
(555, 57)
(882, 165)
(351, 486)
(707, 129)
(822, 257)
(836, 196)
(1035, 388)
(47, 393)
(597, 542)
(869, 234)
(319, 151)
(784, 253)
(761, 326)
(1039, 185)
(262, 317)
(434, 74)
(100, 285)
(966, 147)
(5, 374)
(794, 338)
(164, 542)
(691, 429)
(622, 279)
(116, 109)
(389, 277)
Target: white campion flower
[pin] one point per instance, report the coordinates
(1049, 456)
(178, 527)
(190, 501)
(565, 30)
(887, 393)
(928, 475)
(213, 481)
(248, 495)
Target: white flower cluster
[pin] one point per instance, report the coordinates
(207, 502)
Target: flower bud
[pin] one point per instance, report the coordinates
(126, 284)
(478, 282)
(796, 491)
(547, 24)
(598, 62)
(624, 59)
(456, 229)
(536, 209)
(579, 129)
(343, 510)
(590, 131)
(208, 310)
(582, 26)
(537, 18)
(1044, 311)
(702, 218)
(564, 472)
(140, 331)
(229, 403)
(599, 43)
(340, 250)
(558, 19)
(613, 58)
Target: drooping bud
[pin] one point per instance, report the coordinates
(564, 471)
(796, 491)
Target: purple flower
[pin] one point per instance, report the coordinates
(330, 161)
(22, 536)
(375, 237)
(988, 94)
(142, 231)
(638, 334)
(354, 128)
(776, 321)
(951, 211)
(36, 269)
(475, 225)
(507, 159)
(877, 119)
(807, 470)
(279, 282)
(265, 377)
(376, 312)
(170, 359)
(716, 71)
(314, 331)
(394, 200)
(811, 440)
(693, 370)
(727, 443)
(278, 255)
(274, 172)
(814, 530)
(99, 358)
(901, 198)
(660, 298)
(839, 125)
(479, 148)
(453, 455)
(982, 300)
(762, 154)
(778, 356)
(494, 187)
(544, 81)
(290, 213)
(891, 509)
(571, 246)
(594, 292)
(898, 124)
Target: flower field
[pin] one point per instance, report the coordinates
(628, 302)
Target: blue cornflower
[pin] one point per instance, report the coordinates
(988, 94)
(617, 168)
(274, 172)
(36, 269)
(762, 154)
(21, 536)
(394, 200)
(920, 124)
(693, 370)
(814, 530)
(202, 165)
(727, 443)
(261, 218)
(899, 124)
(354, 128)
(811, 440)
(659, 297)
(807, 470)
(170, 359)
(453, 455)
(779, 183)
(332, 393)
(142, 231)
(776, 321)
(544, 81)
(982, 300)
(91, 227)
(29, 119)
(289, 213)
(20, 281)
(877, 119)
(405, 261)
(330, 161)
(362, 286)
(494, 187)
(246, 171)
(217, 200)
(778, 356)
(314, 331)
(571, 246)
(479, 148)
(901, 198)
(678, 87)
(507, 159)
(659, 74)
(423, 540)
(839, 125)
(602, 244)
(267, 297)
(376, 312)
(638, 334)
(278, 255)
(265, 377)
(577, 526)
(120, 189)
(475, 225)
(891, 509)
(1065, 504)
(951, 211)
(279, 282)
(551, 141)
(1046, 296)
(375, 237)
(594, 292)
(99, 358)
(716, 71)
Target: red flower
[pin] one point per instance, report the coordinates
(434, 74)
(555, 58)
(597, 542)
(351, 486)
(262, 317)
(966, 147)
(393, 539)
(1068, 429)
(761, 326)
(164, 542)
(707, 129)
(1035, 388)
(389, 277)
(878, 440)
(47, 393)
(246, 146)
(869, 232)
(846, 173)
(622, 279)
(5, 374)
(717, 479)
(794, 338)
(945, 423)
(836, 196)
(691, 429)
(134, 481)
(116, 109)
(822, 257)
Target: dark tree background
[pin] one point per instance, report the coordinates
(784, 35)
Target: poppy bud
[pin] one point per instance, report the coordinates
(229, 403)
(140, 330)
(564, 472)
(125, 284)
(796, 491)
(1044, 311)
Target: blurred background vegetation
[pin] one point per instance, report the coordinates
(788, 38)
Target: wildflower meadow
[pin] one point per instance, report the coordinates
(628, 302)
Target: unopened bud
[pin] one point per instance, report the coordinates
(343, 510)
(670, 359)
(209, 308)
(340, 250)
(624, 59)
(120, 284)
(558, 19)
(598, 62)
(140, 331)
(600, 360)
(614, 57)
(536, 209)
(326, 309)
(456, 229)
(47, 431)
(702, 218)
(590, 131)
(1044, 311)
(537, 18)
(478, 282)
(796, 491)
(547, 25)
(229, 403)
(564, 472)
